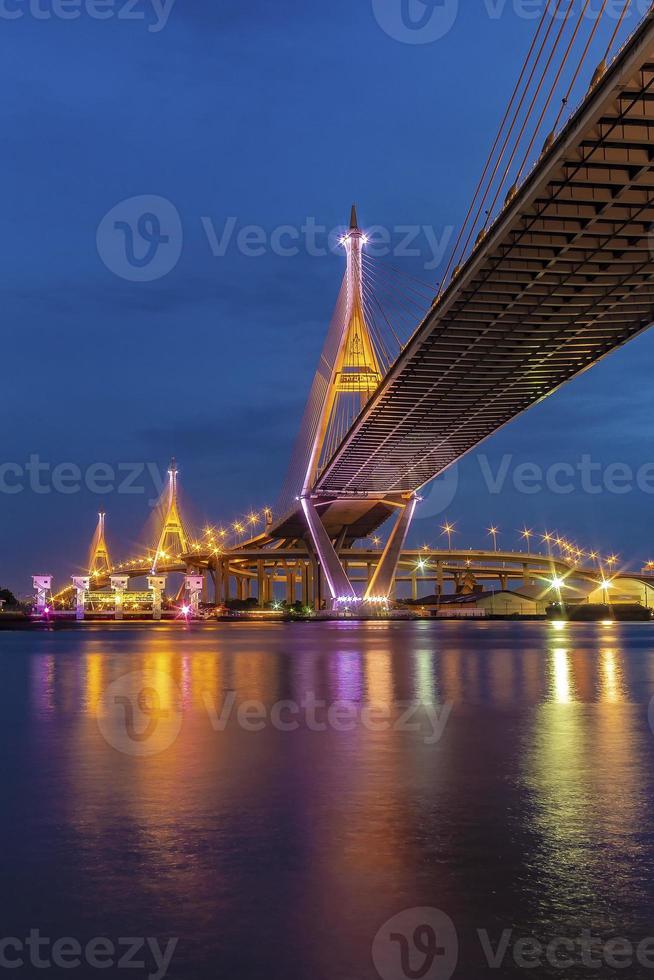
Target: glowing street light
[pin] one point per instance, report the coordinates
(494, 531)
(527, 535)
(449, 530)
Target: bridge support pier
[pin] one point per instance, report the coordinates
(290, 586)
(382, 581)
(261, 583)
(82, 584)
(194, 587)
(156, 584)
(41, 584)
(338, 584)
(119, 584)
(213, 574)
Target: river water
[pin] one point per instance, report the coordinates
(270, 796)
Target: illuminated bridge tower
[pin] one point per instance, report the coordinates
(172, 537)
(348, 376)
(99, 562)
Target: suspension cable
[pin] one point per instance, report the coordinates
(582, 60)
(507, 138)
(554, 85)
(615, 32)
(501, 128)
(528, 116)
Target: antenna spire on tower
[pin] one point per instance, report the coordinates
(354, 223)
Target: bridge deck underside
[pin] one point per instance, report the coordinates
(359, 517)
(563, 278)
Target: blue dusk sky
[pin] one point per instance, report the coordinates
(263, 114)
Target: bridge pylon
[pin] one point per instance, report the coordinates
(172, 537)
(355, 372)
(349, 374)
(99, 561)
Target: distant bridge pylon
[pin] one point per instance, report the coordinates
(172, 540)
(99, 561)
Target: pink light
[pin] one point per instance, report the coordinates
(186, 610)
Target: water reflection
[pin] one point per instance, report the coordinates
(539, 784)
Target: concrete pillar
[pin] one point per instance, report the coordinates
(226, 582)
(42, 584)
(414, 587)
(503, 582)
(156, 584)
(386, 571)
(439, 579)
(314, 583)
(119, 584)
(213, 573)
(290, 586)
(260, 582)
(82, 584)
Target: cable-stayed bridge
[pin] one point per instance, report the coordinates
(538, 289)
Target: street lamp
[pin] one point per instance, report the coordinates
(494, 531)
(448, 529)
(527, 535)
